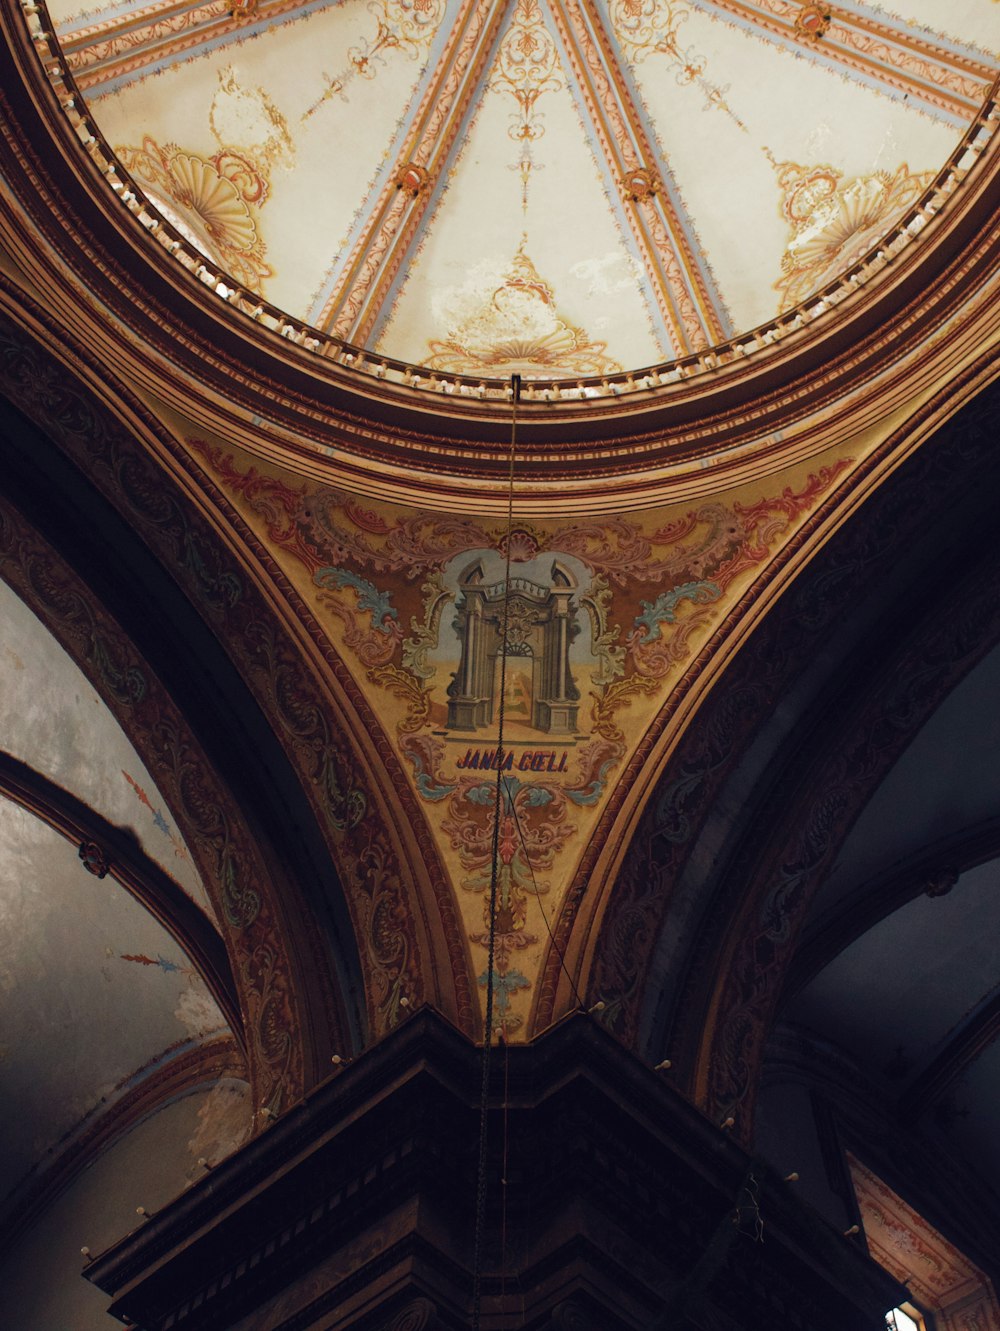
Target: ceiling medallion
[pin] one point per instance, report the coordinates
(412, 179)
(95, 859)
(641, 185)
(812, 21)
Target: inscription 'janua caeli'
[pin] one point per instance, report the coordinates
(537, 760)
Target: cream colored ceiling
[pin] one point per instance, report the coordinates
(560, 189)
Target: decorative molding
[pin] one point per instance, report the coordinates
(229, 864)
(366, 844)
(95, 859)
(809, 818)
(621, 438)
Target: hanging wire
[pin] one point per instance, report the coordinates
(545, 919)
(481, 1179)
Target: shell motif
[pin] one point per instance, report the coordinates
(518, 328)
(842, 229)
(214, 201)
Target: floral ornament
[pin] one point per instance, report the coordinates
(407, 26)
(527, 66)
(518, 329)
(244, 120)
(653, 27)
(834, 223)
(533, 831)
(211, 203)
(813, 21)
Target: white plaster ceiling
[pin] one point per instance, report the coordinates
(41, 1288)
(96, 994)
(557, 189)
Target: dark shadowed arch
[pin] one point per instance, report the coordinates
(694, 945)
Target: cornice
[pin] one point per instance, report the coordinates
(173, 338)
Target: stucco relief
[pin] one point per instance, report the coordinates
(212, 202)
(834, 221)
(518, 327)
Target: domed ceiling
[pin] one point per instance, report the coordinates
(556, 189)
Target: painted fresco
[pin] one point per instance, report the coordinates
(557, 190)
(602, 616)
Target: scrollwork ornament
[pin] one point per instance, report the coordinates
(420, 1315)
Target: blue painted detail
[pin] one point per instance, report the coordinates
(426, 788)
(481, 794)
(379, 604)
(592, 793)
(390, 164)
(662, 167)
(662, 610)
(538, 795)
(438, 190)
(504, 986)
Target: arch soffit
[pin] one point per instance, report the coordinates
(246, 621)
(670, 871)
(813, 805)
(107, 850)
(197, 1068)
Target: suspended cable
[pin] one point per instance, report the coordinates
(481, 1175)
(545, 919)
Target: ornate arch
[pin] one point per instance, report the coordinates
(293, 704)
(684, 892)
